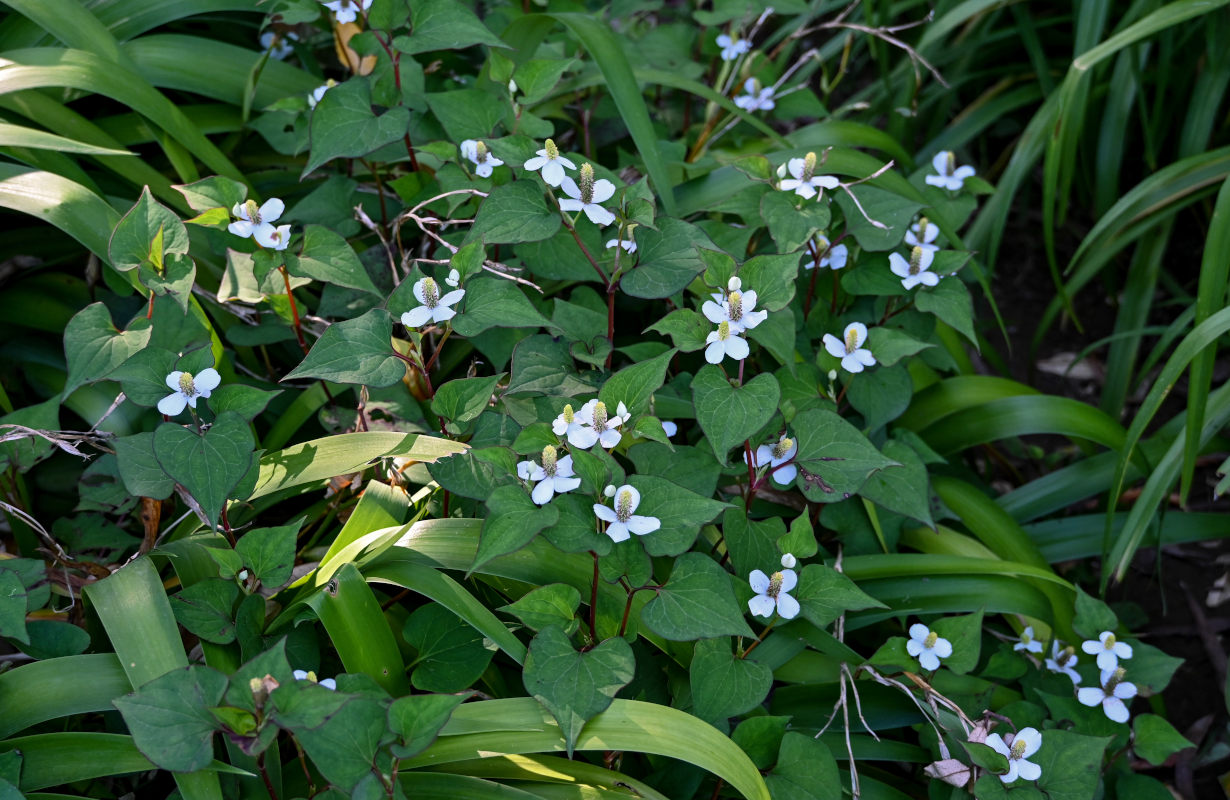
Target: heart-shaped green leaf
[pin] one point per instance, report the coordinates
(730, 415)
(169, 718)
(209, 466)
(343, 125)
(834, 459)
(357, 351)
(824, 594)
(697, 602)
(512, 521)
(724, 686)
(94, 347)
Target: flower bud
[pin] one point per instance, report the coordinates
(788, 561)
(609, 491)
(734, 284)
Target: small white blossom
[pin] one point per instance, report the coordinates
(771, 594)
(484, 160)
(950, 176)
(346, 10)
(724, 342)
(586, 196)
(186, 388)
(788, 561)
(669, 428)
(434, 308)
(554, 476)
(551, 163)
(278, 44)
(319, 92)
(736, 307)
(453, 279)
(851, 351)
(922, 234)
(773, 456)
(1110, 694)
(804, 181)
(1017, 749)
(915, 271)
(755, 98)
(256, 221)
(629, 245)
(834, 256)
(1028, 643)
(274, 238)
(732, 48)
(927, 646)
(620, 520)
(1063, 661)
(1107, 649)
(568, 424)
(304, 675)
(597, 427)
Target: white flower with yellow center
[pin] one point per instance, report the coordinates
(597, 426)
(569, 424)
(804, 181)
(1063, 660)
(1108, 649)
(915, 271)
(187, 388)
(586, 193)
(725, 342)
(307, 675)
(551, 163)
(773, 456)
(833, 256)
(1028, 643)
(434, 308)
(771, 594)
(736, 307)
(732, 48)
(621, 520)
(922, 234)
(927, 646)
(554, 476)
(950, 177)
(854, 357)
(484, 160)
(346, 10)
(257, 221)
(278, 43)
(1110, 694)
(1017, 749)
(756, 97)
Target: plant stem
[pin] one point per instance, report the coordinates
(593, 601)
(294, 310)
(431, 361)
(260, 763)
(760, 638)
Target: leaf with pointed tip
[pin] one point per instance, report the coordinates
(724, 686)
(730, 415)
(697, 602)
(145, 234)
(211, 465)
(169, 718)
(513, 520)
(444, 25)
(94, 347)
(343, 125)
(417, 719)
(824, 594)
(358, 351)
(667, 259)
(513, 213)
(329, 258)
(834, 459)
(904, 489)
(805, 771)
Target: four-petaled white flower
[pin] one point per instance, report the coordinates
(773, 456)
(851, 351)
(771, 594)
(1107, 649)
(620, 520)
(833, 256)
(736, 307)
(922, 234)
(484, 160)
(1110, 694)
(186, 388)
(732, 48)
(629, 245)
(435, 308)
(1028, 643)
(950, 176)
(724, 342)
(755, 98)
(1017, 749)
(257, 222)
(915, 271)
(1063, 660)
(804, 181)
(568, 424)
(927, 646)
(278, 43)
(346, 10)
(596, 426)
(554, 476)
(586, 194)
(305, 675)
(551, 163)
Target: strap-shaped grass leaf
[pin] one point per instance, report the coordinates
(51, 689)
(355, 623)
(55, 759)
(21, 136)
(65, 204)
(358, 351)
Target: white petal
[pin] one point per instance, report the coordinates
(419, 294)
(272, 209)
(838, 256)
(266, 235)
(618, 531)
(899, 266)
(568, 204)
(963, 172)
(860, 335)
(633, 494)
(172, 380)
(834, 346)
(483, 170)
(759, 581)
(604, 513)
(936, 180)
(582, 437)
(241, 228)
(942, 648)
(537, 162)
(563, 468)
(173, 404)
(543, 492)
(669, 428)
(453, 297)
(997, 743)
(1032, 739)
(1115, 709)
(940, 161)
(806, 191)
(761, 606)
(643, 525)
(206, 381)
(416, 317)
(795, 167)
(329, 683)
(786, 475)
(610, 438)
(927, 660)
(919, 632)
(1028, 770)
(787, 606)
(914, 647)
(570, 187)
(469, 149)
(566, 163)
(525, 469)
(789, 580)
(1090, 696)
(928, 278)
(1010, 775)
(566, 484)
(864, 357)
(827, 181)
(723, 40)
(603, 190)
(1123, 650)
(715, 352)
(298, 674)
(1125, 690)
(553, 173)
(599, 215)
(790, 184)
(851, 364)
(1107, 660)
(714, 312)
(736, 348)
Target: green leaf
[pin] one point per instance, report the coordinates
(94, 347)
(1092, 615)
(685, 327)
(475, 473)
(805, 771)
(881, 395)
(667, 259)
(1071, 765)
(777, 335)
(890, 345)
(496, 303)
(950, 301)
(176, 280)
(339, 733)
(444, 25)
(824, 594)
(209, 466)
(801, 540)
(270, 553)
(246, 401)
(343, 125)
(544, 366)
(730, 415)
(834, 459)
(169, 718)
(25, 452)
(773, 278)
(1156, 739)
(14, 606)
(760, 738)
(697, 602)
(216, 191)
(724, 686)
(690, 467)
(358, 351)
(574, 686)
(512, 521)
(463, 399)
(417, 720)
(204, 608)
(145, 233)
(904, 489)
(752, 544)
(554, 604)
(893, 212)
(537, 77)
(634, 385)
(451, 654)
(965, 633)
(681, 512)
(143, 476)
(792, 227)
(329, 258)
(513, 213)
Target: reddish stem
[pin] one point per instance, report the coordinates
(294, 311)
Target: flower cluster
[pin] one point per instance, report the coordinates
(186, 389)
(584, 194)
(803, 179)
(1017, 749)
(621, 520)
(833, 256)
(257, 222)
(776, 457)
(927, 646)
(756, 97)
(949, 176)
(347, 10)
(732, 48)
(484, 160)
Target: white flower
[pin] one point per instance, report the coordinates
(950, 176)
(435, 308)
(788, 561)
(773, 456)
(669, 428)
(454, 278)
(186, 388)
(551, 163)
(319, 92)
(304, 675)
(755, 98)
(732, 48)
(922, 234)
(274, 238)
(1028, 643)
(805, 182)
(620, 520)
(1017, 749)
(851, 351)
(568, 424)
(596, 427)
(771, 594)
(835, 256)
(587, 195)
(1110, 694)
(915, 271)
(1063, 661)
(736, 308)
(256, 220)
(554, 476)
(512, 86)
(278, 44)
(723, 342)
(1107, 649)
(628, 245)
(927, 646)
(346, 10)
(484, 160)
